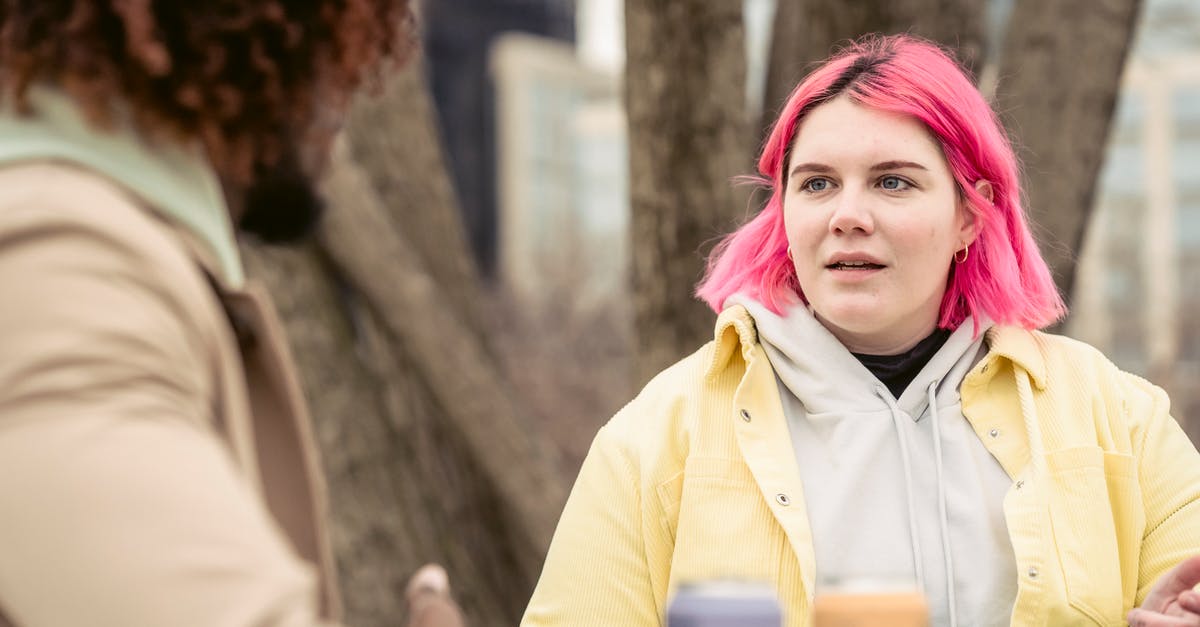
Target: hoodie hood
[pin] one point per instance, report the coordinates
(826, 378)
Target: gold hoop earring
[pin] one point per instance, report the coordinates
(965, 252)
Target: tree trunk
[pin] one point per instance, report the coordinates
(807, 31)
(685, 99)
(458, 373)
(393, 137)
(367, 457)
(1059, 78)
(428, 454)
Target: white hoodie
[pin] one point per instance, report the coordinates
(894, 490)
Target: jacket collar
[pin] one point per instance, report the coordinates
(175, 180)
(735, 329)
(1022, 348)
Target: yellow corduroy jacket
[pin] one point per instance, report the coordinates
(696, 479)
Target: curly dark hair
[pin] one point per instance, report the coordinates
(241, 76)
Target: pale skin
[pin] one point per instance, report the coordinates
(874, 219)
(1172, 602)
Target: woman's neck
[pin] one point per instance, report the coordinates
(892, 342)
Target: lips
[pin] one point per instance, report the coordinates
(854, 261)
(854, 265)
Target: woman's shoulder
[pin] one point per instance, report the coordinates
(667, 395)
(656, 428)
(1067, 354)
(702, 381)
(49, 201)
(1052, 356)
(73, 235)
(1066, 366)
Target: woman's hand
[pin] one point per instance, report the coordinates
(1171, 602)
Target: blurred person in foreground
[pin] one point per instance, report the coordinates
(156, 462)
(878, 403)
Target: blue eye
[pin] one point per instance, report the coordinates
(815, 185)
(894, 183)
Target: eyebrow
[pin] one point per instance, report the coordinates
(898, 165)
(810, 167)
(878, 167)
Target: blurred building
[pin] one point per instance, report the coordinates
(1138, 293)
(458, 38)
(563, 191)
(563, 181)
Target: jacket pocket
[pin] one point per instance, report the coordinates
(722, 527)
(1088, 490)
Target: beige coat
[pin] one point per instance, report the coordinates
(146, 477)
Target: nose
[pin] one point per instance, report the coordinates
(851, 214)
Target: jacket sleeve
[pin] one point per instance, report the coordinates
(597, 569)
(1169, 473)
(119, 504)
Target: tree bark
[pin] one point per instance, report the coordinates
(1060, 75)
(807, 31)
(392, 173)
(393, 138)
(366, 458)
(685, 99)
(428, 453)
(404, 487)
(462, 378)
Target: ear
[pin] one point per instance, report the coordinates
(984, 188)
(970, 229)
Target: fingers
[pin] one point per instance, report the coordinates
(429, 579)
(429, 600)
(1144, 618)
(1190, 601)
(1184, 576)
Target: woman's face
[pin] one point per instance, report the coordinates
(873, 220)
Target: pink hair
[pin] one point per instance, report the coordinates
(1004, 276)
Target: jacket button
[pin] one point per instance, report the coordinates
(783, 499)
(1033, 572)
(745, 415)
(1020, 483)
(995, 433)
(985, 368)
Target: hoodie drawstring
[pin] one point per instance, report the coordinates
(908, 482)
(937, 453)
(943, 521)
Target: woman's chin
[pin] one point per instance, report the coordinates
(854, 317)
(870, 329)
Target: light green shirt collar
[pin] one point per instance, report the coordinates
(177, 182)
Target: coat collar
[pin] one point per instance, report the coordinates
(1022, 348)
(176, 180)
(735, 329)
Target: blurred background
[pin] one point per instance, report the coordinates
(522, 213)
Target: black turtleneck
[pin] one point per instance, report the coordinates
(897, 371)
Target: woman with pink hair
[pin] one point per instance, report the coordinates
(878, 403)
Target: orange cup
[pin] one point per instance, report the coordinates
(885, 608)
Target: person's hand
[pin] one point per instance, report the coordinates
(429, 601)
(1171, 602)
(429, 582)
